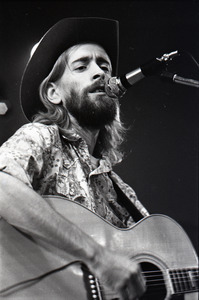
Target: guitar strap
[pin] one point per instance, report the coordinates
(125, 201)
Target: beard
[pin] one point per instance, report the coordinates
(91, 113)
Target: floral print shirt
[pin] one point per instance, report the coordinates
(53, 165)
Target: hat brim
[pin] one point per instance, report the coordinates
(63, 35)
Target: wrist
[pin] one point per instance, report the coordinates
(97, 258)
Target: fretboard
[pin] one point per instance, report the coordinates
(184, 280)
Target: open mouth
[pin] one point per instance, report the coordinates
(97, 89)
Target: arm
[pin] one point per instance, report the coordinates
(25, 209)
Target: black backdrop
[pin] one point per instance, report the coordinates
(161, 161)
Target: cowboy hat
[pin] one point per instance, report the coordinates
(63, 35)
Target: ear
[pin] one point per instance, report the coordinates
(53, 93)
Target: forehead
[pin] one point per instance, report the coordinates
(87, 50)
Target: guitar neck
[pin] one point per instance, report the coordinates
(177, 281)
(184, 280)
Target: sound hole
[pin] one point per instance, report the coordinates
(156, 289)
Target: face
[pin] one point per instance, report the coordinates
(82, 86)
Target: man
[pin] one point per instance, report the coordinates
(70, 148)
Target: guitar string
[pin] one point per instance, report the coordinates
(174, 280)
(67, 265)
(194, 278)
(148, 293)
(9, 288)
(195, 270)
(166, 283)
(158, 288)
(181, 279)
(160, 273)
(161, 282)
(183, 282)
(161, 287)
(182, 275)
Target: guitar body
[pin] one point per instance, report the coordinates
(157, 242)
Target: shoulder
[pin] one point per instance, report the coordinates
(38, 133)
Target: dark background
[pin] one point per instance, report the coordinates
(161, 161)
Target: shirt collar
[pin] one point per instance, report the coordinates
(104, 162)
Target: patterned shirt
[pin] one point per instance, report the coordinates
(52, 164)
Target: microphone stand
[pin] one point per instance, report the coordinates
(180, 80)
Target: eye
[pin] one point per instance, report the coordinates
(80, 68)
(105, 68)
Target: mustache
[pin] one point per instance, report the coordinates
(100, 84)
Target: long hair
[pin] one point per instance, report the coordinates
(110, 137)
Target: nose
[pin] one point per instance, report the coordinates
(97, 72)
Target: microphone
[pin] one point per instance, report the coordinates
(117, 86)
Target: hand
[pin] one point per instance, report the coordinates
(120, 274)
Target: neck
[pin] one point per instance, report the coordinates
(90, 135)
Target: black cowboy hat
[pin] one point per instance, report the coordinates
(63, 35)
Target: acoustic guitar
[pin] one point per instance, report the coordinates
(31, 269)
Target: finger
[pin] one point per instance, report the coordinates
(129, 292)
(124, 294)
(139, 278)
(134, 287)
